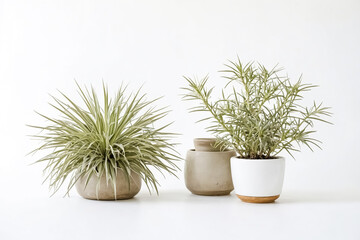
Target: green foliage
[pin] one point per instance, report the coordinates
(98, 140)
(259, 113)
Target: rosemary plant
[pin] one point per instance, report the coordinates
(100, 139)
(260, 113)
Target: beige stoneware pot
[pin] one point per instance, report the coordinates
(106, 191)
(208, 172)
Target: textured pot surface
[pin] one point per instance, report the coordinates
(208, 173)
(258, 180)
(106, 191)
(206, 145)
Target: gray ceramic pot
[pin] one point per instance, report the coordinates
(106, 191)
(208, 172)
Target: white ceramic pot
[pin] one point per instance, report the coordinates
(258, 180)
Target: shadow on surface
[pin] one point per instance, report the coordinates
(180, 196)
(173, 196)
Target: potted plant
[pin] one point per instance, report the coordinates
(107, 148)
(260, 114)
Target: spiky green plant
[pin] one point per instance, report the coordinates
(260, 113)
(100, 138)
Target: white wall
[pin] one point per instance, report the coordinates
(45, 45)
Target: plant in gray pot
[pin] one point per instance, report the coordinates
(105, 147)
(260, 114)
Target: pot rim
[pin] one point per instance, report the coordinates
(205, 139)
(259, 159)
(211, 152)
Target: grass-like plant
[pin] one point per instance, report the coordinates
(260, 112)
(100, 138)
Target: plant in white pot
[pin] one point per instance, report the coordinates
(105, 148)
(259, 115)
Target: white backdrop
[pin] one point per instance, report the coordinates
(45, 45)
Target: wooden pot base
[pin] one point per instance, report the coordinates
(258, 199)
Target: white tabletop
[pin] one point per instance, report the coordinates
(178, 214)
